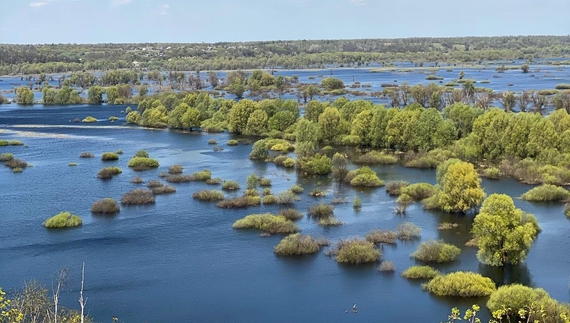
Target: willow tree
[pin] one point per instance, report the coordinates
(461, 188)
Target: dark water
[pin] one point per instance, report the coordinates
(180, 260)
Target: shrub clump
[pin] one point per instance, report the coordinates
(212, 142)
(321, 211)
(232, 142)
(317, 192)
(141, 153)
(86, 155)
(63, 220)
(15, 143)
(394, 188)
(419, 191)
(72, 164)
(329, 222)
(267, 222)
(381, 237)
(138, 196)
(142, 163)
(408, 231)
(239, 202)
(154, 183)
(298, 245)
(202, 175)
(209, 195)
(6, 157)
(179, 178)
(492, 173)
(265, 182)
(105, 206)
(89, 119)
(289, 163)
(545, 193)
(356, 251)
(461, 284)
(269, 199)
(436, 251)
(214, 181)
(16, 163)
(164, 189)
(109, 156)
(375, 157)
(286, 197)
(175, 169)
(230, 185)
(291, 214)
(387, 267)
(297, 189)
(363, 177)
(420, 272)
(109, 172)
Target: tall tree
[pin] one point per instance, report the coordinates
(461, 188)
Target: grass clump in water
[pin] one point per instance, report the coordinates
(86, 154)
(387, 267)
(209, 195)
(330, 222)
(239, 202)
(138, 196)
(212, 142)
(232, 142)
(419, 191)
(394, 188)
(286, 197)
(433, 251)
(17, 170)
(202, 175)
(298, 245)
(378, 237)
(141, 153)
(230, 185)
(63, 220)
(6, 157)
(175, 169)
(375, 157)
(15, 143)
(546, 193)
(179, 178)
(105, 206)
(214, 181)
(108, 172)
(267, 222)
(297, 189)
(142, 163)
(265, 182)
(420, 272)
(164, 189)
(291, 214)
(321, 211)
(137, 180)
(461, 284)
(408, 231)
(355, 251)
(269, 199)
(72, 164)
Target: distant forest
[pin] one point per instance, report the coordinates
(57, 58)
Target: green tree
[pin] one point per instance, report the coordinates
(542, 136)
(307, 131)
(239, 116)
(461, 188)
(281, 120)
(252, 182)
(502, 235)
(329, 121)
(361, 127)
(95, 95)
(463, 116)
(313, 110)
(112, 94)
(7, 313)
(24, 95)
(429, 122)
(213, 78)
(525, 68)
(143, 90)
(256, 123)
(237, 87)
(488, 131)
(339, 167)
(331, 83)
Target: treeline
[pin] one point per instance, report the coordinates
(59, 58)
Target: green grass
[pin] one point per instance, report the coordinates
(108, 172)
(142, 163)
(209, 195)
(433, 251)
(298, 245)
(109, 156)
(63, 220)
(546, 193)
(15, 143)
(267, 222)
(461, 284)
(72, 164)
(420, 272)
(375, 157)
(105, 206)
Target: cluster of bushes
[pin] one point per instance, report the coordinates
(298, 245)
(109, 156)
(63, 220)
(436, 251)
(375, 157)
(363, 177)
(230, 185)
(408, 231)
(142, 163)
(138, 196)
(545, 193)
(209, 195)
(355, 251)
(109, 172)
(420, 272)
(239, 202)
(4, 157)
(202, 175)
(15, 164)
(419, 191)
(179, 178)
(267, 222)
(105, 206)
(291, 214)
(461, 284)
(284, 161)
(378, 237)
(158, 188)
(394, 188)
(175, 169)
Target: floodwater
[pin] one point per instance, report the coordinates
(180, 261)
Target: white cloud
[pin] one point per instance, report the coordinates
(358, 2)
(38, 4)
(115, 3)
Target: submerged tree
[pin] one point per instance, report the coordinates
(461, 188)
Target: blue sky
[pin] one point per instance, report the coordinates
(102, 21)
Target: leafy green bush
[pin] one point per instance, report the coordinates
(109, 156)
(142, 153)
(232, 142)
(419, 191)
(381, 237)
(208, 195)
(89, 119)
(265, 182)
(363, 177)
(461, 284)
(179, 178)
(17, 170)
(63, 220)
(251, 192)
(356, 203)
(86, 155)
(404, 199)
(546, 192)
(321, 211)
(113, 118)
(492, 173)
(436, 251)
(297, 189)
(212, 142)
(291, 214)
(109, 172)
(138, 196)
(375, 157)
(394, 188)
(105, 206)
(297, 245)
(408, 231)
(279, 160)
(266, 222)
(214, 181)
(175, 169)
(356, 251)
(230, 185)
(269, 199)
(420, 272)
(202, 175)
(317, 165)
(289, 163)
(142, 163)
(6, 157)
(239, 202)
(387, 267)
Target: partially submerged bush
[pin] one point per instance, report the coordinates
(269, 199)
(321, 211)
(208, 195)
(419, 191)
(89, 119)
(404, 199)
(329, 222)
(154, 183)
(375, 157)
(175, 169)
(363, 177)
(142, 163)
(387, 267)
(142, 153)
(232, 142)
(545, 193)
(164, 189)
(16, 163)
(461, 284)
(266, 222)
(109, 156)
(202, 175)
(105, 206)
(239, 202)
(265, 182)
(179, 178)
(230, 185)
(394, 188)
(356, 251)
(72, 164)
(420, 272)
(15, 143)
(289, 163)
(214, 181)
(493, 173)
(6, 157)
(267, 191)
(212, 142)
(86, 155)
(297, 245)
(297, 189)
(291, 214)
(408, 231)
(251, 192)
(433, 251)
(138, 196)
(286, 197)
(381, 237)
(317, 192)
(63, 220)
(109, 172)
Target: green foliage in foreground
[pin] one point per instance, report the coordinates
(420, 272)
(63, 220)
(546, 193)
(461, 284)
(142, 163)
(266, 222)
(297, 245)
(436, 251)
